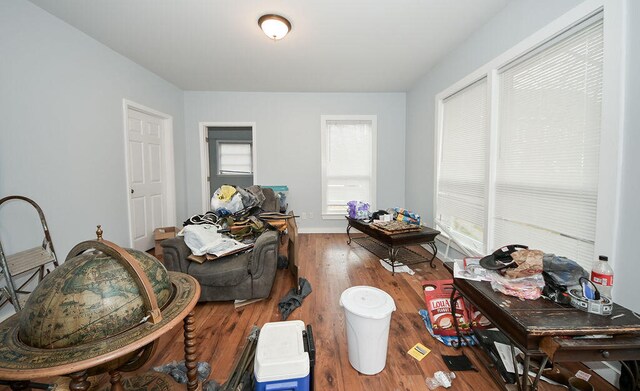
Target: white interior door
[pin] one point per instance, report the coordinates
(145, 136)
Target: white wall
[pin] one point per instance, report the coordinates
(61, 128)
(288, 142)
(515, 22)
(627, 264)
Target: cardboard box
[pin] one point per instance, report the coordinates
(160, 234)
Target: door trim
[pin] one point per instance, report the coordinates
(205, 193)
(168, 161)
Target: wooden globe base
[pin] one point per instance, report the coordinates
(148, 380)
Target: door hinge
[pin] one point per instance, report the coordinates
(206, 139)
(208, 179)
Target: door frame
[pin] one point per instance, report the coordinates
(168, 162)
(204, 156)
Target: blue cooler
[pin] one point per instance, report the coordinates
(283, 356)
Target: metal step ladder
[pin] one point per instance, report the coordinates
(34, 261)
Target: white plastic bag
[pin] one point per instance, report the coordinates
(199, 238)
(231, 206)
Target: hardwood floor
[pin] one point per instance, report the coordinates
(331, 266)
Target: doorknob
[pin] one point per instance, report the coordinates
(132, 191)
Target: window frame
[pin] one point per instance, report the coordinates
(219, 156)
(323, 143)
(614, 29)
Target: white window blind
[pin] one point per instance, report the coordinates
(348, 163)
(234, 158)
(462, 176)
(549, 139)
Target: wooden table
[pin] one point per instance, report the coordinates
(393, 247)
(542, 328)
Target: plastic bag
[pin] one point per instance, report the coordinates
(226, 200)
(529, 287)
(358, 210)
(200, 237)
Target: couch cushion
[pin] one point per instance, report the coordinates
(228, 271)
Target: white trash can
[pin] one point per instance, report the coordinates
(368, 316)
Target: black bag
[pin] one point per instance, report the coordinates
(559, 274)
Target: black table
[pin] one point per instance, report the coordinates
(392, 248)
(545, 329)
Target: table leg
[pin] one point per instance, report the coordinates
(190, 352)
(393, 252)
(525, 373)
(348, 234)
(115, 378)
(534, 385)
(435, 252)
(453, 300)
(79, 381)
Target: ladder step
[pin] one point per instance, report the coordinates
(28, 260)
(6, 298)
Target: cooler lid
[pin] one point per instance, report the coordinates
(368, 302)
(280, 352)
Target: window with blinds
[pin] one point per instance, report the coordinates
(543, 187)
(549, 142)
(234, 158)
(462, 176)
(348, 162)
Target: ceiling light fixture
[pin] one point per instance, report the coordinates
(274, 26)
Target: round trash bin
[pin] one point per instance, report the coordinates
(368, 315)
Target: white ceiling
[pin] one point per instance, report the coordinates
(334, 45)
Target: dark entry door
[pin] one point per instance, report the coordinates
(230, 156)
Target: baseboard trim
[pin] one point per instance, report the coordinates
(320, 230)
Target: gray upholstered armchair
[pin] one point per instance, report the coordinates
(248, 275)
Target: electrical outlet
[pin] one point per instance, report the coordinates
(310, 215)
(303, 216)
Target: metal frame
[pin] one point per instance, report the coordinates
(38, 270)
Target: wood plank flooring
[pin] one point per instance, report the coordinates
(332, 266)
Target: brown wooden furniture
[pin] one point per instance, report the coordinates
(392, 248)
(79, 371)
(292, 249)
(544, 329)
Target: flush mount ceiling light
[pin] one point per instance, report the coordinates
(274, 26)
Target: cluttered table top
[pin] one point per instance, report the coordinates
(527, 321)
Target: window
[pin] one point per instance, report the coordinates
(529, 174)
(462, 179)
(348, 162)
(234, 158)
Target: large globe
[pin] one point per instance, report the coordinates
(88, 298)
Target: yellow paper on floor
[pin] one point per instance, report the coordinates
(419, 351)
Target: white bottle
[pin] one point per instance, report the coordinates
(602, 276)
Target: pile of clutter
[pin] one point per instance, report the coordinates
(237, 217)
(361, 210)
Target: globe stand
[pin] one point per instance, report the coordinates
(125, 351)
